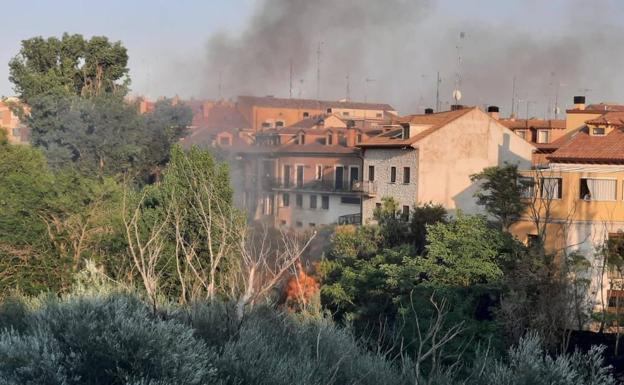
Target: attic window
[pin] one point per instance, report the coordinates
(406, 132)
(279, 123)
(330, 139)
(543, 136)
(306, 114)
(345, 113)
(266, 125)
(329, 110)
(598, 131)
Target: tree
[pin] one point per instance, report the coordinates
(393, 227)
(71, 65)
(501, 193)
(423, 216)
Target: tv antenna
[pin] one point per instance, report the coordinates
(366, 81)
(318, 70)
(348, 90)
(457, 93)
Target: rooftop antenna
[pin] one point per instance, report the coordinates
(457, 93)
(556, 109)
(300, 87)
(348, 93)
(318, 70)
(438, 92)
(366, 81)
(220, 87)
(513, 98)
(290, 86)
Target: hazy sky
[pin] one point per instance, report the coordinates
(170, 44)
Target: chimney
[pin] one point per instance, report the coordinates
(455, 107)
(579, 102)
(493, 112)
(428, 111)
(350, 137)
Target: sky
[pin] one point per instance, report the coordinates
(212, 48)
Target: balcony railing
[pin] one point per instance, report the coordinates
(351, 219)
(316, 185)
(366, 187)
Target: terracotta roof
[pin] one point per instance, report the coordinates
(269, 101)
(533, 123)
(614, 118)
(596, 108)
(583, 147)
(436, 121)
(219, 117)
(315, 148)
(310, 122)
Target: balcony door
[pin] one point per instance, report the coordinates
(286, 176)
(339, 181)
(299, 176)
(354, 175)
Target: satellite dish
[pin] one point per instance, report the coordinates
(457, 95)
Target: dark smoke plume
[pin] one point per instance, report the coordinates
(400, 45)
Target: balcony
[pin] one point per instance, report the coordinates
(366, 187)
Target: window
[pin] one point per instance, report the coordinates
(598, 131)
(312, 224)
(279, 123)
(312, 201)
(379, 114)
(319, 172)
(354, 174)
(325, 202)
(285, 200)
(286, 176)
(406, 132)
(16, 132)
(299, 200)
(406, 175)
(358, 138)
(598, 189)
(345, 113)
(377, 205)
(266, 125)
(405, 213)
(551, 188)
(521, 133)
(393, 174)
(224, 141)
(616, 298)
(353, 201)
(371, 173)
(543, 136)
(532, 240)
(330, 139)
(299, 176)
(329, 110)
(299, 224)
(527, 186)
(301, 139)
(283, 222)
(306, 114)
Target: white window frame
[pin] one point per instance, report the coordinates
(302, 174)
(615, 199)
(319, 175)
(537, 139)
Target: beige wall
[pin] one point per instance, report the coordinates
(464, 147)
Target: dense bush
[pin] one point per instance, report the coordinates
(118, 339)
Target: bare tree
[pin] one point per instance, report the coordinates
(264, 263)
(145, 237)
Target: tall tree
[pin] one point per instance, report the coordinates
(71, 65)
(501, 193)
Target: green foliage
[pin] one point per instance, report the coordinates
(423, 216)
(500, 192)
(351, 241)
(112, 339)
(392, 226)
(71, 65)
(464, 251)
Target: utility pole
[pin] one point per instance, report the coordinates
(366, 81)
(438, 92)
(290, 84)
(318, 70)
(348, 93)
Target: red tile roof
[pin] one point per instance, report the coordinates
(533, 123)
(220, 117)
(269, 101)
(614, 118)
(583, 147)
(436, 121)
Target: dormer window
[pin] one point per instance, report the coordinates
(330, 139)
(266, 125)
(329, 110)
(345, 113)
(279, 123)
(306, 114)
(521, 133)
(598, 131)
(301, 139)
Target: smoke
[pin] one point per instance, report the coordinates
(392, 50)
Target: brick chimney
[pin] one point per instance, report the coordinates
(579, 102)
(351, 137)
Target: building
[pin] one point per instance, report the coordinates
(218, 124)
(270, 112)
(430, 157)
(16, 131)
(577, 198)
(307, 175)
